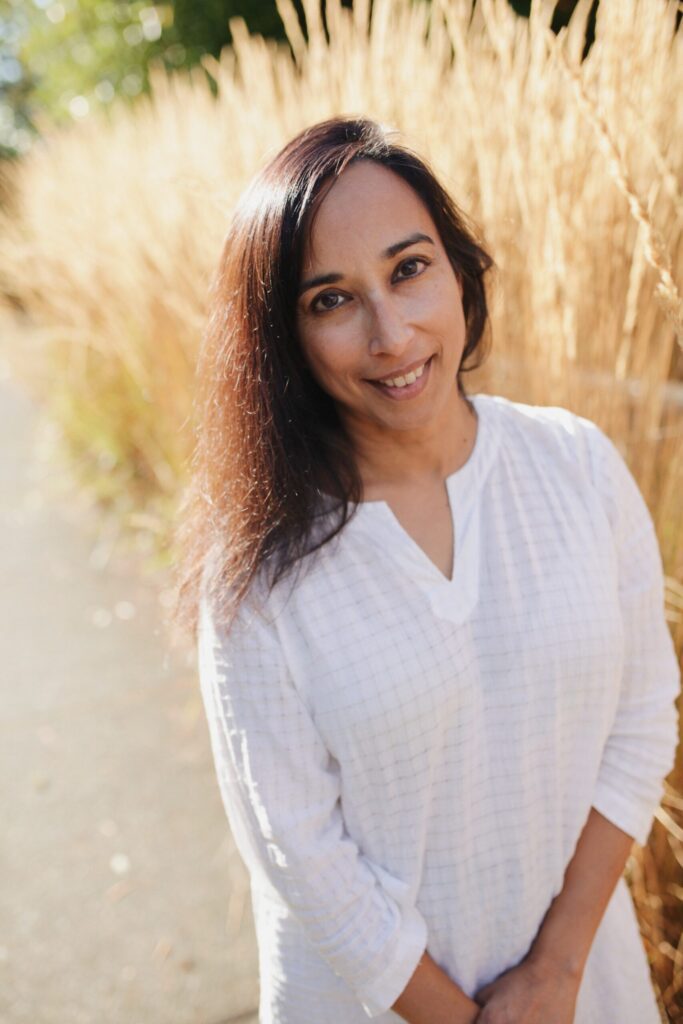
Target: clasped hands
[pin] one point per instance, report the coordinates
(535, 991)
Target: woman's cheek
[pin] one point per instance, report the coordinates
(329, 366)
(340, 348)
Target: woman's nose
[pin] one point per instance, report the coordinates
(388, 329)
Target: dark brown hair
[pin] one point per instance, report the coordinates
(269, 441)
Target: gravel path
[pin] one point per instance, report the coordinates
(123, 900)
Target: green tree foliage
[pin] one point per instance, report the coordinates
(61, 59)
(204, 27)
(77, 55)
(15, 86)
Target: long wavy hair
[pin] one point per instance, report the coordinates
(269, 443)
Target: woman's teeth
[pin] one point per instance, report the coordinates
(410, 378)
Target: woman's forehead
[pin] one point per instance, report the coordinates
(368, 205)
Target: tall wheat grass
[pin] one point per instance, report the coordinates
(571, 168)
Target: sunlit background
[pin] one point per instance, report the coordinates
(127, 130)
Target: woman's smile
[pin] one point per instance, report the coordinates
(403, 387)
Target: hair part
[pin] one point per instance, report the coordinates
(269, 442)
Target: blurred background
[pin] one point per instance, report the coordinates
(127, 130)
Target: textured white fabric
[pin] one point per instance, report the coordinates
(407, 762)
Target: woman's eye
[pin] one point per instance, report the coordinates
(414, 261)
(325, 301)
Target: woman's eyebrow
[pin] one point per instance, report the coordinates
(417, 236)
(313, 282)
(392, 250)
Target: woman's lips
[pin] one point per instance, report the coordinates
(409, 390)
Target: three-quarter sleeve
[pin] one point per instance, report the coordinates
(280, 788)
(641, 746)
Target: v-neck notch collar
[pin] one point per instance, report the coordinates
(451, 599)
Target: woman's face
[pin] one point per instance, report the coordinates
(379, 299)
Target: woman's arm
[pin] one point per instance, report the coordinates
(281, 791)
(432, 997)
(641, 746)
(545, 985)
(638, 753)
(562, 944)
(567, 931)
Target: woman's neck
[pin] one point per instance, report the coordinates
(391, 461)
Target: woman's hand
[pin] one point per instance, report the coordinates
(533, 992)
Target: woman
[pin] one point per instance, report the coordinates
(433, 654)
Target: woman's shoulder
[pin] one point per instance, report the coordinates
(574, 448)
(556, 419)
(222, 610)
(553, 430)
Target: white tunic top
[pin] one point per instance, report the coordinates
(407, 762)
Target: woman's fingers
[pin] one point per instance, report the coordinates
(524, 996)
